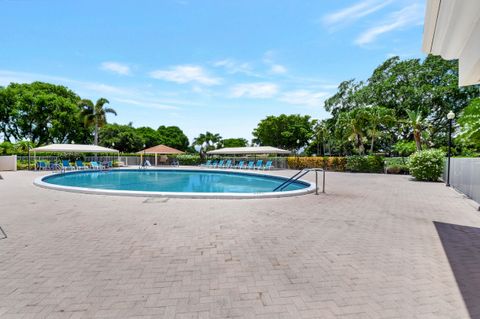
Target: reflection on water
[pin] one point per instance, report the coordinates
(172, 181)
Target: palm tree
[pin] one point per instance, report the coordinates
(207, 142)
(209, 138)
(95, 115)
(352, 125)
(378, 118)
(417, 122)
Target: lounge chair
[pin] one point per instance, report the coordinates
(42, 165)
(250, 165)
(147, 163)
(213, 164)
(207, 163)
(66, 165)
(259, 164)
(95, 165)
(240, 165)
(268, 165)
(220, 164)
(228, 164)
(80, 165)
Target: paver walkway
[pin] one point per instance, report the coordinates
(374, 246)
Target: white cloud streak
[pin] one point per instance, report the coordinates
(278, 69)
(304, 97)
(115, 67)
(357, 11)
(233, 67)
(259, 90)
(185, 74)
(114, 93)
(411, 15)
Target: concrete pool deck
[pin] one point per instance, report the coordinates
(373, 246)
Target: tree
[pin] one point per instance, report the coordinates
(150, 136)
(379, 119)
(416, 121)
(346, 99)
(234, 142)
(174, 137)
(352, 125)
(290, 132)
(40, 112)
(211, 139)
(469, 121)
(124, 137)
(95, 115)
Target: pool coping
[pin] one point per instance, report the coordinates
(39, 181)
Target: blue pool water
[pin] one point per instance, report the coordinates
(200, 181)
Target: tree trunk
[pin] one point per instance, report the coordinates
(95, 138)
(418, 142)
(373, 143)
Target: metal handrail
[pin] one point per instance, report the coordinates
(288, 181)
(302, 173)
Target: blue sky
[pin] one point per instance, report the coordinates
(220, 66)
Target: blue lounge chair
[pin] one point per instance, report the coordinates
(41, 165)
(207, 163)
(240, 165)
(80, 165)
(95, 165)
(228, 164)
(66, 165)
(250, 165)
(220, 164)
(259, 164)
(213, 164)
(268, 165)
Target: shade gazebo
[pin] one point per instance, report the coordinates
(159, 150)
(249, 150)
(70, 148)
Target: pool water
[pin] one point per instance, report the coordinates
(198, 181)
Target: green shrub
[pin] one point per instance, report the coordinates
(331, 163)
(189, 159)
(397, 169)
(365, 164)
(427, 165)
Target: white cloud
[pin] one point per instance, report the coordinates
(278, 69)
(354, 12)
(259, 90)
(147, 103)
(116, 67)
(233, 67)
(411, 15)
(94, 90)
(304, 97)
(185, 74)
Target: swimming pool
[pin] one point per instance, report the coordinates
(174, 183)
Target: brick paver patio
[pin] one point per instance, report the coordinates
(374, 246)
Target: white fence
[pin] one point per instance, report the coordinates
(8, 163)
(465, 176)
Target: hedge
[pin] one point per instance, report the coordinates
(330, 163)
(365, 164)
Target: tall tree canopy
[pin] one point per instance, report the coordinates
(124, 138)
(174, 137)
(40, 112)
(234, 142)
(290, 132)
(428, 86)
